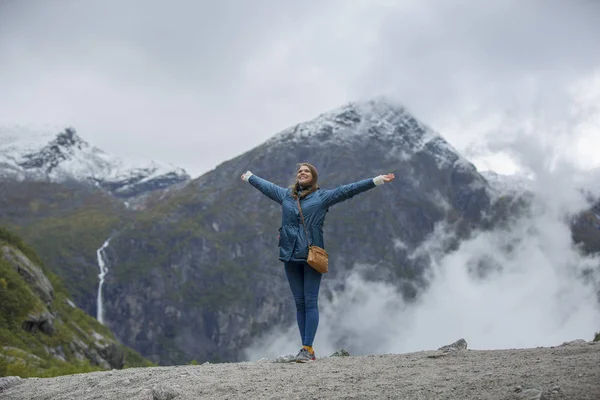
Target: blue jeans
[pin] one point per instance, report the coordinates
(305, 282)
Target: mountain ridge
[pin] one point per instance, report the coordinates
(381, 118)
(66, 156)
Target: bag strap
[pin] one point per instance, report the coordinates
(302, 216)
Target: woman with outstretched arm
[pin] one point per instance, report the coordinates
(294, 238)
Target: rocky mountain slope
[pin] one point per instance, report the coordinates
(65, 197)
(66, 223)
(35, 156)
(568, 371)
(42, 332)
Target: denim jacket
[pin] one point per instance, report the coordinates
(293, 243)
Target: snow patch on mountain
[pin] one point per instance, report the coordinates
(28, 154)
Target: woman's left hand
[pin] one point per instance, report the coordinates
(388, 178)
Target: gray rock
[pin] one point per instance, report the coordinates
(341, 353)
(577, 342)
(9, 381)
(113, 355)
(43, 322)
(96, 358)
(57, 352)
(32, 274)
(285, 359)
(460, 344)
(518, 389)
(530, 394)
(163, 393)
(22, 354)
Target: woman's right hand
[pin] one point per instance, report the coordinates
(246, 176)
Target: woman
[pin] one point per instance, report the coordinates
(293, 241)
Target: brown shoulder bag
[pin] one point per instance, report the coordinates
(317, 256)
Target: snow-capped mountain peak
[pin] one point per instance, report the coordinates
(380, 119)
(69, 139)
(65, 146)
(341, 123)
(34, 155)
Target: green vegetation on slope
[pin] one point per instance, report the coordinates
(65, 224)
(75, 337)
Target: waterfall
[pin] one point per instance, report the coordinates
(101, 275)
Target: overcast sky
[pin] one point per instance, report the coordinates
(196, 82)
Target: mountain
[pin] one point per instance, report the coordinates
(45, 156)
(66, 197)
(197, 277)
(43, 333)
(194, 275)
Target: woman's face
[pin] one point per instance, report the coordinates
(304, 176)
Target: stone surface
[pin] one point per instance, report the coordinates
(466, 375)
(577, 342)
(460, 344)
(530, 394)
(8, 381)
(286, 358)
(340, 353)
(163, 392)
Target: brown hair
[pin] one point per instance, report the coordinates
(313, 185)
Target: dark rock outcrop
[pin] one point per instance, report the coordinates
(113, 355)
(43, 322)
(51, 155)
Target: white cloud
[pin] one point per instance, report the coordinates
(196, 83)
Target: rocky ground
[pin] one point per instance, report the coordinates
(569, 371)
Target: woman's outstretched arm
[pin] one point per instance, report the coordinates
(272, 191)
(346, 192)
